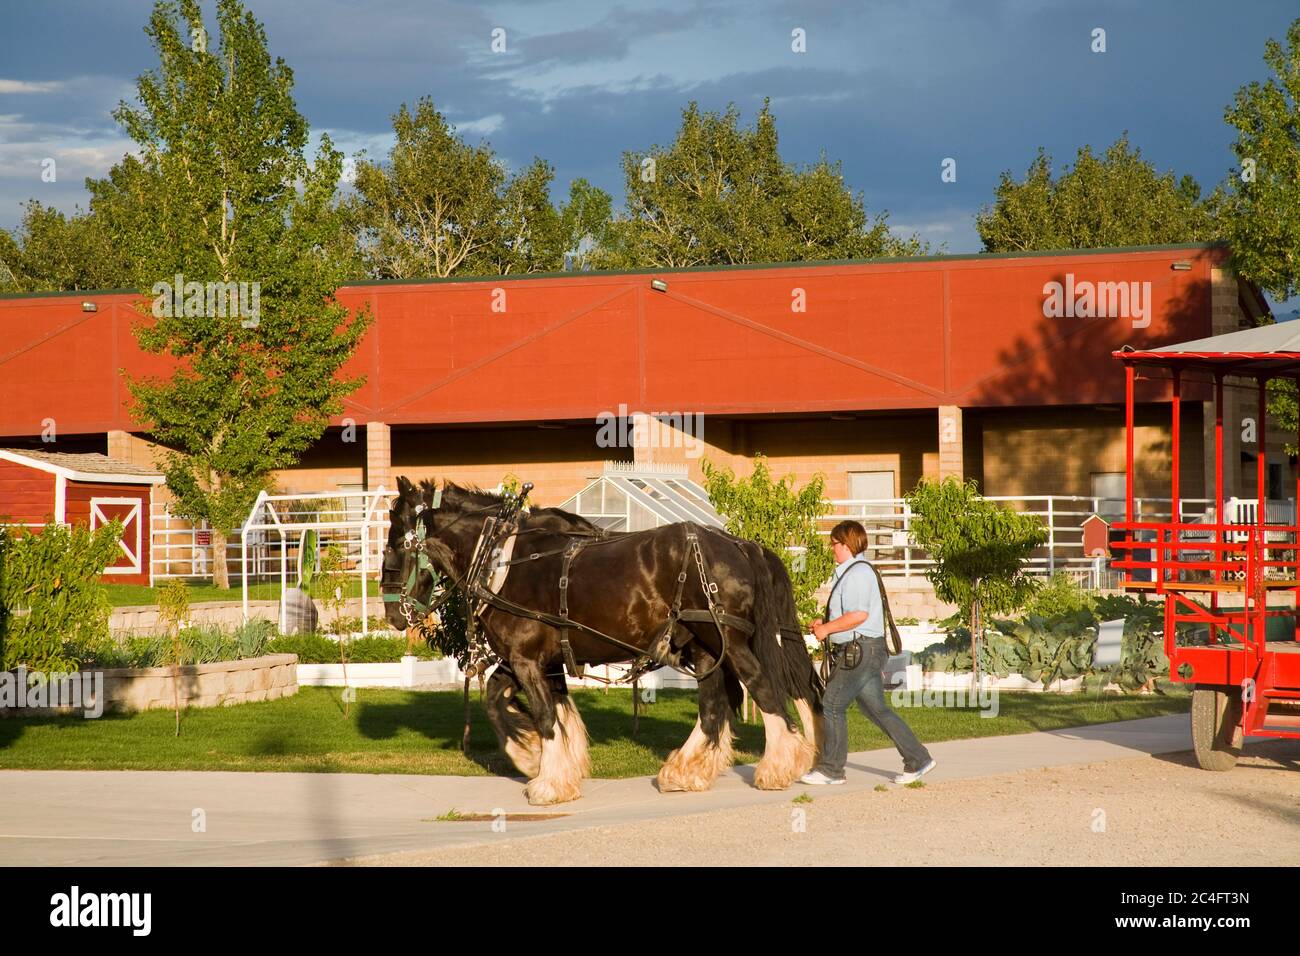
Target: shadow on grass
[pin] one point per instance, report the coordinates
(440, 719)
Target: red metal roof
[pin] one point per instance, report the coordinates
(916, 333)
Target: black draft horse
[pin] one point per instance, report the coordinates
(623, 591)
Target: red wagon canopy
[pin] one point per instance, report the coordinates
(1272, 351)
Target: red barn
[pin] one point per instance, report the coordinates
(37, 487)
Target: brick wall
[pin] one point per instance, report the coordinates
(1056, 451)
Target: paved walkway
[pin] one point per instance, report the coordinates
(85, 818)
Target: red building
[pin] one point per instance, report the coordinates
(874, 374)
(37, 487)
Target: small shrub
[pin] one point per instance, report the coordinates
(252, 637)
(52, 575)
(1061, 595)
(317, 648)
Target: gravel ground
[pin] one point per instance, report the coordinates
(1145, 811)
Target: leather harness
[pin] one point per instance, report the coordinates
(485, 560)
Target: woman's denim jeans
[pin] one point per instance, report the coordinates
(865, 685)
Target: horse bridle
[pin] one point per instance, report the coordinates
(408, 605)
(414, 541)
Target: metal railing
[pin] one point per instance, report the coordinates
(359, 526)
(890, 546)
(181, 549)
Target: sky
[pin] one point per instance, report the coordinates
(890, 89)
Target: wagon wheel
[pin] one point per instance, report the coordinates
(1216, 730)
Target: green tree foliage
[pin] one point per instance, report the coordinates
(1262, 221)
(979, 549)
(779, 517)
(720, 194)
(230, 197)
(442, 207)
(1117, 199)
(174, 606)
(51, 252)
(51, 599)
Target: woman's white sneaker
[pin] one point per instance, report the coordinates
(914, 774)
(817, 779)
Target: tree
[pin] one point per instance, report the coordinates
(54, 252)
(979, 549)
(173, 612)
(585, 221)
(1262, 221)
(721, 195)
(1118, 199)
(442, 207)
(231, 199)
(780, 518)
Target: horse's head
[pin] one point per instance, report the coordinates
(408, 578)
(432, 533)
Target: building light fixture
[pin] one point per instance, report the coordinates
(659, 285)
(1182, 265)
(89, 307)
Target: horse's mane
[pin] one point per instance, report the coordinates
(473, 495)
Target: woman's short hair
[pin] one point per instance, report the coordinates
(850, 534)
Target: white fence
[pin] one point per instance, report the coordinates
(890, 546)
(181, 550)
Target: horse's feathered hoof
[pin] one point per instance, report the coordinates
(542, 792)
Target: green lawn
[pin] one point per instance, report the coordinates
(393, 731)
(126, 594)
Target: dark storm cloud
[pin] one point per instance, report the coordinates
(888, 89)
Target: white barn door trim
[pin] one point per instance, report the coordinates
(98, 518)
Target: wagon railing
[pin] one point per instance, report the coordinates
(891, 548)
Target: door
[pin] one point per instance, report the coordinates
(129, 512)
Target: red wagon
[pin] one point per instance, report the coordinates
(1227, 581)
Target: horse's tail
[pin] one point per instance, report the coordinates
(800, 674)
(767, 620)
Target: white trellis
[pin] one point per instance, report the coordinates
(268, 514)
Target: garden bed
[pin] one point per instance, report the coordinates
(216, 684)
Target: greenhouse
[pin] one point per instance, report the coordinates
(636, 497)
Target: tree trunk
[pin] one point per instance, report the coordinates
(976, 632)
(220, 573)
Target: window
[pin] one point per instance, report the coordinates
(872, 486)
(1275, 480)
(1108, 488)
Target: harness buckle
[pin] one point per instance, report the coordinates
(564, 582)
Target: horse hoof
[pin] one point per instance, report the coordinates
(543, 793)
(693, 773)
(675, 781)
(769, 778)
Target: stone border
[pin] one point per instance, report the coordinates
(220, 683)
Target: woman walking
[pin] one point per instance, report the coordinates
(855, 636)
